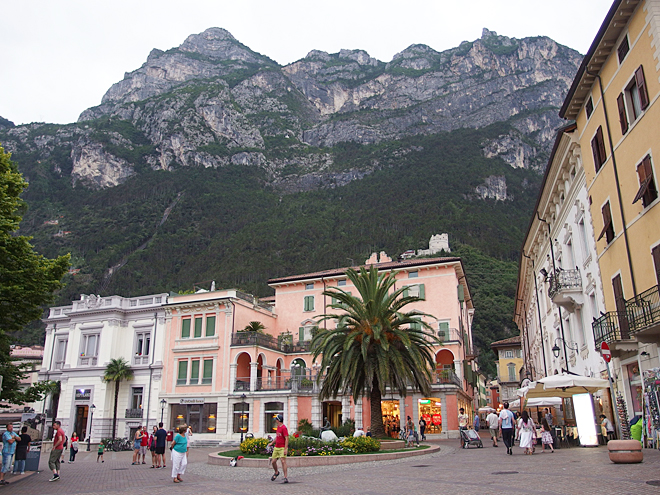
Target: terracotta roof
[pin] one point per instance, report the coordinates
(512, 341)
(390, 265)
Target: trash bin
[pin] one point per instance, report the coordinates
(32, 460)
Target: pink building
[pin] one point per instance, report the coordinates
(223, 380)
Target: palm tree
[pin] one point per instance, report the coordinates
(254, 326)
(116, 371)
(375, 344)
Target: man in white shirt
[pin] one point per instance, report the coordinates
(493, 422)
(359, 433)
(507, 427)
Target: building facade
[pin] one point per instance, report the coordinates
(559, 289)
(80, 341)
(509, 364)
(614, 102)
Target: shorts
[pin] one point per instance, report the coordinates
(278, 453)
(137, 444)
(493, 432)
(6, 462)
(160, 450)
(54, 459)
(143, 450)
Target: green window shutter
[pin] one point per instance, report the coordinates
(183, 372)
(198, 327)
(210, 326)
(301, 334)
(208, 371)
(406, 292)
(422, 292)
(194, 371)
(185, 328)
(333, 301)
(466, 366)
(443, 333)
(309, 303)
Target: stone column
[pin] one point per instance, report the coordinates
(262, 416)
(232, 377)
(317, 412)
(345, 408)
(358, 413)
(443, 411)
(458, 368)
(293, 413)
(253, 376)
(402, 412)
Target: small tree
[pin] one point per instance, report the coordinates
(117, 371)
(254, 326)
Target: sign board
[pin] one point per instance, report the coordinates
(605, 352)
(83, 394)
(191, 400)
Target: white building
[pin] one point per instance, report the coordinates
(80, 341)
(559, 286)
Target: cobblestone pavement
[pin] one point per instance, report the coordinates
(452, 470)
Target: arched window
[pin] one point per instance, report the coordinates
(298, 367)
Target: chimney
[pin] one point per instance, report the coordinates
(373, 259)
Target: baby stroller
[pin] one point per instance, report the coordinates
(471, 437)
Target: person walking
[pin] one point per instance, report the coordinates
(188, 437)
(410, 432)
(422, 429)
(161, 441)
(144, 442)
(152, 447)
(22, 448)
(280, 448)
(179, 449)
(548, 416)
(493, 423)
(462, 424)
(9, 439)
(99, 453)
(506, 427)
(137, 442)
(546, 435)
(56, 453)
(527, 433)
(476, 423)
(73, 447)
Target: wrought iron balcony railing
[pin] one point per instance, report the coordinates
(644, 310)
(133, 413)
(446, 377)
(611, 327)
(562, 280)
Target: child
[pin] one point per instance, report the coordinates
(100, 453)
(546, 435)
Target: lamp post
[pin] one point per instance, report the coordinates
(162, 409)
(242, 416)
(91, 420)
(567, 345)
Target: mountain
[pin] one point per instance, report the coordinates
(211, 161)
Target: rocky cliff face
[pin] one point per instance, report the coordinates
(212, 102)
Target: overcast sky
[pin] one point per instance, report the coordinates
(60, 56)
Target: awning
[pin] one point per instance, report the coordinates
(562, 385)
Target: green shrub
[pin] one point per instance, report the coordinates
(305, 427)
(254, 446)
(360, 445)
(345, 430)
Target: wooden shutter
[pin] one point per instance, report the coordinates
(194, 371)
(185, 328)
(622, 51)
(422, 292)
(443, 332)
(208, 371)
(198, 327)
(623, 118)
(406, 292)
(183, 372)
(210, 326)
(301, 334)
(601, 145)
(620, 302)
(641, 87)
(607, 220)
(655, 253)
(595, 153)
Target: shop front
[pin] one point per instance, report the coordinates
(391, 417)
(430, 411)
(196, 413)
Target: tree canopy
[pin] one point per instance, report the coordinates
(27, 280)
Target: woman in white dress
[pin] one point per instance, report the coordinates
(526, 432)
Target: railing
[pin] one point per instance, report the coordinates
(297, 347)
(138, 360)
(562, 280)
(611, 327)
(253, 300)
(242, 385)
(87, 361)
(446, 377)
(268, 341)
(133, 413)
(644, 310)
(450, 335)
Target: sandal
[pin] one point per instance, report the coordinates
(274, 477)
(176, 481)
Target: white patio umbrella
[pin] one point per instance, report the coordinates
(539, 402)
(562, 385)
(486, 409)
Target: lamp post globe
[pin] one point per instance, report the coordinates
(91, 420)
(556, 350)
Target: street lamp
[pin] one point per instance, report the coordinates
(570, 345)
(242, 416)
(162, 409)
(91, 420)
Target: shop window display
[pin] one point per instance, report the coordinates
(430, 410)
(391, 417)
(200, 417)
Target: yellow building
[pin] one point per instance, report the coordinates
(509, 363)
(613, 101)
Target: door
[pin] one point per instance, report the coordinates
(81, 422)
(655, 253)
(620, 302)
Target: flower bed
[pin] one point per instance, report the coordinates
(308, 446)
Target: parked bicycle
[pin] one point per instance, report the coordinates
(119, 445)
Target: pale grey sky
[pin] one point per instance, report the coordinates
(60, 56)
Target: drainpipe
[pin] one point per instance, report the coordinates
(538, 307)
(554, 273)
(616, 182)
(151, 369)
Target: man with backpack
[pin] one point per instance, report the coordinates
(507, 427)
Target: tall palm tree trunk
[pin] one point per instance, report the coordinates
(114, 414)
(377, 428)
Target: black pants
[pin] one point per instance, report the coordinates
(422, 429)
(507, 437)
(72, 455)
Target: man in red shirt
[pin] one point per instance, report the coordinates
(281, 447)
(56, 453)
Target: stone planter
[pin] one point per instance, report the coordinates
(625, 451)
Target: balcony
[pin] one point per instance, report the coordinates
(644, 315)
(133, 413)
(140, 360)
(614, 328)
(450, 336)
(566, 289)
(282, 344)
(446, 377)
(87, 361)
